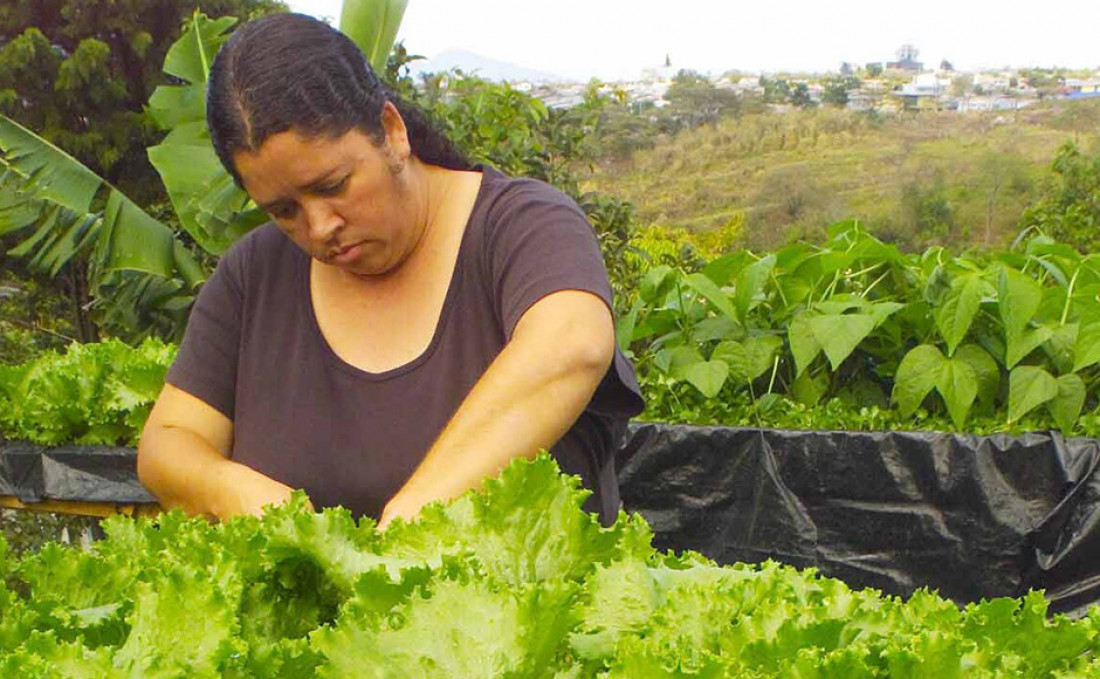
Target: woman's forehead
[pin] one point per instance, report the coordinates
(291, 154)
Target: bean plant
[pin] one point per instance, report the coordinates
(997, 335)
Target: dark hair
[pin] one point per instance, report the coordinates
(291, 71)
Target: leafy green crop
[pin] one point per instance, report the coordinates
(1006, 336)
(515, 581)
(91, 394)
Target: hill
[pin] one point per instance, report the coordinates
(482, 67)
(916, 178)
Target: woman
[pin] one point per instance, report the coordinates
(405, 326)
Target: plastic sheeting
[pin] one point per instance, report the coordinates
(969, 516)
(74, 473)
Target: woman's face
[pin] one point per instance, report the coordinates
(344, 200)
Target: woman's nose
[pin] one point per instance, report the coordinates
(322, 221)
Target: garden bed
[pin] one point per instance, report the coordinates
(970, 516)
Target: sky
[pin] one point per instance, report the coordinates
(616, 39)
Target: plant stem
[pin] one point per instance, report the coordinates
(1069, 294)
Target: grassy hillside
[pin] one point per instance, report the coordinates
(916, 179)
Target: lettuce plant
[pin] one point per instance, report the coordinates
(513, 581)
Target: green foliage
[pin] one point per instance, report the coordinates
(209, 206)
(926, 208)
(1069, 208)
(28, 531)
(80, 73)
(512, 582)
(68, 217)
(776, 90)
(835, 89)
(373, 26)
(1005, 336)
(33, 316)
(800, 96)
(694, 100)
(91, 394)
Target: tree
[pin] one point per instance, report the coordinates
(961, 85)
(874, 69)
(1069, 207)
(1002, 174)
(800, 96)
(694, 100)
(926, 209)
(835, 90)
(1046, 81)
(79, 74)
(776, 91)
(946, 65)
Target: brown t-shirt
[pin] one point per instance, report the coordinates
(301, 415)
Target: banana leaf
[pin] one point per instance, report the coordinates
(372, 25)
(49, 193)
(210, 207)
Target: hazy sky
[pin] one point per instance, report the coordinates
(616, 39)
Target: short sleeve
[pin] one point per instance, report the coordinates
(206, 364)
(540, 243)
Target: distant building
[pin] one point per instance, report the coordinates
(977, 104)
(907, 60)
(923, 92)
(906, 65)
(1082, 89)
(862, 101)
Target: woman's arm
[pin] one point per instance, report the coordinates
(529, 397)
(183, 459)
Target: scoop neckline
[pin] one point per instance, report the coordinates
(444, 313)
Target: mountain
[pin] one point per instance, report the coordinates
(483, 67)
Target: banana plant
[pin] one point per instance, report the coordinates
(372, 25)
(50, 195)
(68, 211)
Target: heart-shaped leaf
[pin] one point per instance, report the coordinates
(985, 369)
(958, 385)
(1066, 406)
(954, 317)
(1087, 348)
(750, 285)
(680, 359)
(1018, 298)
(707, 376)
(706, 288)
(804, 347)
(1028, 388)
(917, 375)
(840, 335)
(1023, 342)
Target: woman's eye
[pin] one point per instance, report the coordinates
(332, 189)
(281, 212)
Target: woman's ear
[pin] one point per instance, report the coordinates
(397, 134)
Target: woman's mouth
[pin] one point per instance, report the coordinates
(346, 255)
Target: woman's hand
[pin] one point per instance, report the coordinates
(247, 491)
(401, 506)
(183, 459)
